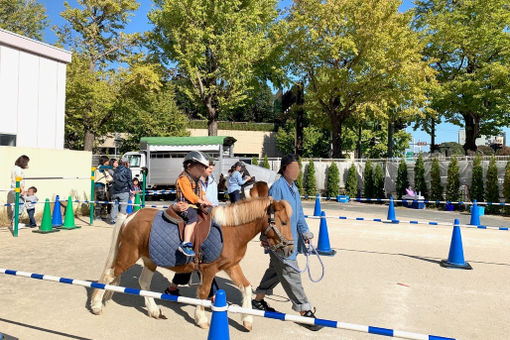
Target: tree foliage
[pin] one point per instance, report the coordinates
(368, 180)
(333, 181)
(476, 191)
(492, 186)
(436, 189)
(351, 185)
(310, 184)
(402, 179)
(420, 183)
(25, 17)
(378, 182)
(453, 184)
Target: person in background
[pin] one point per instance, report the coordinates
(112, 165)
(121, 188)
(101, 179)
(235, 181)
(137, 187)
(209, 184)
(17, 171)
(30, 202)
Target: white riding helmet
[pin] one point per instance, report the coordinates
(198, 157)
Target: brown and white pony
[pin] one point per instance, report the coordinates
(240, 223)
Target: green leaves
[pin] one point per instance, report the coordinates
(25, 17)
(453, 184)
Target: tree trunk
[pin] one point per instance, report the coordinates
(299, 119)
(212, 127)
(336, 138)
(433, 136)
(472, 128)
(212, 118)
(391, 128)
(88, 142)
(358, 144)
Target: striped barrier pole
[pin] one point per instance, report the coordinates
(381, 220)
(231, 308)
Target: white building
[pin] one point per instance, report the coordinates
(32, 92)
(483, 140)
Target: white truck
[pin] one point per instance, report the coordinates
(163, 158)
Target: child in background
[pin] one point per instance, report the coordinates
(30, 202)
(137, 188)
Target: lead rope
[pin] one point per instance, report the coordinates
(309, 250)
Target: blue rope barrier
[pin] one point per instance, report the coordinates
(231, 308)
(380, 220)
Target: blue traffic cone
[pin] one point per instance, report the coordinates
(56, 219)
(317, 210)
(456, 254)
(219, 320)
(475, 214)
(323, 246)
(129, 208)
(391, 210)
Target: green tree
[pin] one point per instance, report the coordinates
(351, 185)
(216, 46)
(378, 182)
(506, 187)
(368, 180)
(255, 161)
(333, 188)
(257, 107)
(94, 31)
(467, 41)
(356, 65)
(420, 184)
(265, 162)
(402, 179)
(476, 191)
(453, 184)
(25, 17)
(310, 184)
(436, 189)
(492, 186)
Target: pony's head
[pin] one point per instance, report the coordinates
(272, 216)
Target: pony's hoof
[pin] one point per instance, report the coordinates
(96, 310)
(203, 325)
(157, 314)
(248, 325)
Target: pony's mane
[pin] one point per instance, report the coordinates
(242, 212)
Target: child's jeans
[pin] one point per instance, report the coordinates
(31, 213)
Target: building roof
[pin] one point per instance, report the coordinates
(35, 47)
(206, 140)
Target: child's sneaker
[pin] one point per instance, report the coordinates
(187, 249)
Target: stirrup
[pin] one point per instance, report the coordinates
(195, 278)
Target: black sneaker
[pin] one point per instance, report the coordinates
(310, 314)
(262, 305)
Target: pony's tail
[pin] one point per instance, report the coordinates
(114, 246)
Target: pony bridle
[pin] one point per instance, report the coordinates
(283, 242)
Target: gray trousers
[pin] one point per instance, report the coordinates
(122, 197)
(279, 272)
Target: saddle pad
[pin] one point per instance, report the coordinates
(164, 242)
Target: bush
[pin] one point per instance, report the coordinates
(265, 163)
(476, 189)
(351, 186)
(506, 187)
(255, 161)
(333, 188)
(492, 186)
(402, 179)
(420, 185)
(378, 182)
(436, 190)
(368, 180)
(299, 180)
(453, 185)
(310, 183)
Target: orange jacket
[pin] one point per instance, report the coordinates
(186, 188)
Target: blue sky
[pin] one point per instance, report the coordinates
(445, 132)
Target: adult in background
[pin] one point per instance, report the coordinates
(121, 189)
(101, 180)
(235, 181)
(17, 171)
(112, 165)
(283, 272)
